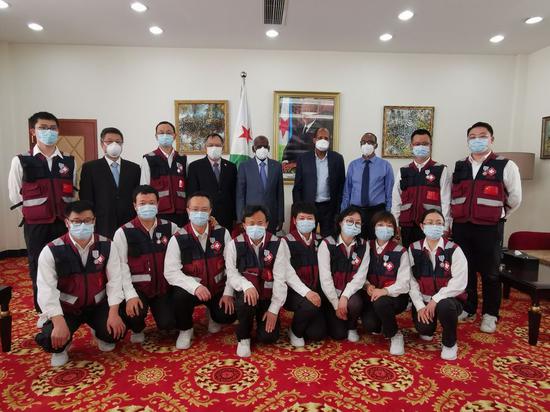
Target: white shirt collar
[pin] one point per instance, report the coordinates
(152, 227)
(260, 161)
(479, 161)
(321, 159)
(168, 156)
(36, 150)
(439, 245)
(341, 241)
(199, 235)
(419, 166)
(306, 241)
(110, 162)
(379, 249)
(80, 248)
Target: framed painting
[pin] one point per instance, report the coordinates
(545, 138)
(399, 123)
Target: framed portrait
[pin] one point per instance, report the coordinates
(296, 118)
(195, 120)
(545, 138)
(399, 123)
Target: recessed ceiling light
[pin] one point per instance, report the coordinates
(386, 37)
(533, 20)
(3, 4)
(35, 26)
(406, 15)
(139, 7)
(156, 30)
(496, 39)
(272, 33)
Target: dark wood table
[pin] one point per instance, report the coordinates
(5, 317)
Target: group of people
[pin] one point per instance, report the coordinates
(359, 246)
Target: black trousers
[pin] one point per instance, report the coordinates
(446, 311)
(367, 213)
(308, 321)
(338, 328)
(36, 237)
(179, 219)
(410, 234)
(326, 215)
(380, 314)
(246, 314)
(482, 245)
(184, 306)
(95, 316)
(161, 307)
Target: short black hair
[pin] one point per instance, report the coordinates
(385, 216)
(214, 135)
(429, 211)
(350, 210)
(420, 132)
(41, 116)
(165, 122)
(144, 190)
(79, 206)
(249, 210)
(480, 124)
(200, 194)
(113, 130)
(303, 207)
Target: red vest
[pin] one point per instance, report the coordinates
(383, 267)
(169, 181)
(479, 200)
(146, 256)
(45, 193)
(342, 267)
(206, 267)
(303, 258)
(81, 286)
(420, 191)
(257, 271)
(429, 279)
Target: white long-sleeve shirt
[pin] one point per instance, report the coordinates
(325, 274)
(403, 277)
(48, 293)
(173, 267)
(241, 284)
(455, 286)
(444, 193)
(292, 279)
(121, 243)
(145, 178)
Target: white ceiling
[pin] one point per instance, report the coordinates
(439, 26)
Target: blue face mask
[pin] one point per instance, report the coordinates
(147, 212)
(421, 151)
(384, 233)
(433, 232)
(165, 139)
(47, 136)
(478, 144)
(305, 226)
(255, 232)
(350, 229)
(82, 231)
(198, 218)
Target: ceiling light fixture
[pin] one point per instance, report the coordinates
(496, 39)
(406, 15)
(272, 33)
(139, 7)
(534, 20)
(4, 5)
(156, 30)
(35, 26)
(386, 37)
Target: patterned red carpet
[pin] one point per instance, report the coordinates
(499, 372)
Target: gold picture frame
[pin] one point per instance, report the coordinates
(293, 127)
(196, 119)
(545, 138)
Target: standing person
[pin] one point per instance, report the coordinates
(320, 177)
(440, 275)
(387, 283)
(486, 191)
(218, 178)
(165, 170)
(421, 185)
(109, 183)
(369, 184)
(343, 264)
(43, 181)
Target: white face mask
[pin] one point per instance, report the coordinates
(114, 149)
(322, 145)
(214, 152)
(367, 149)
(262, 153)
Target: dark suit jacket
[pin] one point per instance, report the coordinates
(305, 182)
(113, 205)
(250, 190)
(201, 177)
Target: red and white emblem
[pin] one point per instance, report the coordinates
(100, 259)
(268, 256)
(430, 178)
(179, 166)
(63, 170)
(164, 240)
(389, 266)
(446, 266)
(356, 260)
(491, 171)
(216, 246)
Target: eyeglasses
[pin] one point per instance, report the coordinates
(352, 222)
(85, 221)
(47, 128)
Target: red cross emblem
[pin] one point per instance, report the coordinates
(268, 257)
(216, 246)
(430, 178)
(389, 266)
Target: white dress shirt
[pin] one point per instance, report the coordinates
(323, 191)
(48, 293)
(404, 274)
(455, 286)
(325, 274)
(146, 170)
(292, 278)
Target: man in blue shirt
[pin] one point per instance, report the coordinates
(369, 184)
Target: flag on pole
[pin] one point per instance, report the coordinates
(241, 139)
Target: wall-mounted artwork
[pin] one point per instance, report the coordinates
(399, 123)
(545, 138)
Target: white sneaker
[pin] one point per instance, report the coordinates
(488, 323)
(105, 346)
(449, 353)
(397, 345)
(213, 326)
(295, 340)
(353, 336)
(243, 348)
(60, 359)
(464, 316)
(184, 339)
(42, 318)
(427, 338)
(137, 337)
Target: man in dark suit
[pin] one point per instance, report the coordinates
(260, 182)
(218, 178)
(108, 183)
(320, 176)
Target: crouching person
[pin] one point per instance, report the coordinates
(79, 282)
